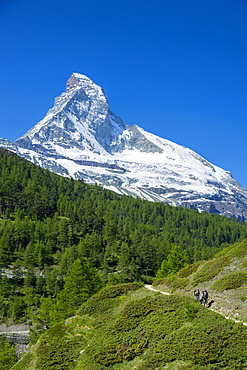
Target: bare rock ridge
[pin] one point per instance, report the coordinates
(81, 138)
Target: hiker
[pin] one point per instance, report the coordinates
(204, 299)
(197, 294)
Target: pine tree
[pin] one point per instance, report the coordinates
(81, 282)
(175, 261)
(8, 356)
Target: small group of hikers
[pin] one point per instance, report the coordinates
(204, 298)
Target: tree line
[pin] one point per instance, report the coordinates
(50, 224)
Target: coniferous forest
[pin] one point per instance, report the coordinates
(62, 240)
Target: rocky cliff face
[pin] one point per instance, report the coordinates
(80, 137)
(18, 334)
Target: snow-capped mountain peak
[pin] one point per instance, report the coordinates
(79, 81)
(80, 137)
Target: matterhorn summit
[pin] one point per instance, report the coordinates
(81, 138)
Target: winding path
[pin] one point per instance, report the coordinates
(150, 287)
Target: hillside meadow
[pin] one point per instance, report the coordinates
(224, 276)
(129, 327)
(74, 259)
(51, 227)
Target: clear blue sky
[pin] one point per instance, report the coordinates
(177, 68)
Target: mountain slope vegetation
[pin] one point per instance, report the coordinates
(224, 276)
(128, 327)
(62, 241)
(49, 224)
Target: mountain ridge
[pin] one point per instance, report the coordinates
(81, 137)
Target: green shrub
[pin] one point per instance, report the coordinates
(133, 312)
(118, 290)
(167, 281)
(7, 354)
(160, 282)
(172, 282)
(244, 263)
(24, 362)
(236, 251)
(243, 297)
(140, 322)
(231, 281)
(212, 346)
(147, 279)
(187, 270)
(210, 269)
(179, 283)
(56, 331)
(57, 354)
(191, 309)
(152, 332)
(78, 325)
(58, 350)
(107, 297)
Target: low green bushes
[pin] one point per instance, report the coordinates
(244, 263)
(231, 281)
(24, 363)
(57, 354)
(172, 282)
(212, 346)
(236, 251)
(58, 348)
(132, 313)
(7, 354)
(139, 324)
(243, 297)
(179, 283)
(165, 330)
(162, 281)
(210, 269)
(187, 270)
(107, 296)
(141, 330)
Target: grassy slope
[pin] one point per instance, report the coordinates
(128, 327)
(224, 276)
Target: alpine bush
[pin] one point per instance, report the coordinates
(210, 269)
(231, 281)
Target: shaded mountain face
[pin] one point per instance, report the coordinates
(80, 137)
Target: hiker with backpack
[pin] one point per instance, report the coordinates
(197, 294)
(204, 299)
